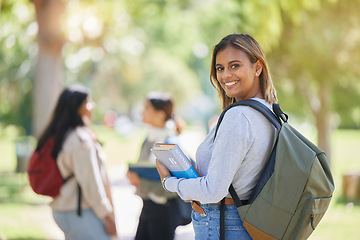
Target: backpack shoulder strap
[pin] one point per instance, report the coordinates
(279, 113)
(275, 119)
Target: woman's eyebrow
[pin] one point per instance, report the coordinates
(233, 61)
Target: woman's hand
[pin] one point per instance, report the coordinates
(163, 171)
(110, 225)
(134, 178)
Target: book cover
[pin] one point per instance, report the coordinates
(145, 170)
(175, 160)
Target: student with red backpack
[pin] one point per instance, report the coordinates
(82, 207)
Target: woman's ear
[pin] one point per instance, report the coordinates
(258, 68)
(159, 118)
(162, 115)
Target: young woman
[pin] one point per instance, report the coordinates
(160, 214)
(79, 154)
(238, 71)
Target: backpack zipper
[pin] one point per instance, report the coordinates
(312, 221)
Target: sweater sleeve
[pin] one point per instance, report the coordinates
(232, 142)
(88, 175)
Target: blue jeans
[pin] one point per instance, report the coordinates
(85, 227)
(208, 227)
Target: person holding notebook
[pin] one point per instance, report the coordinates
(239, 70)
(160, 214)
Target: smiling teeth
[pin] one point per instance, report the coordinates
(230, 83)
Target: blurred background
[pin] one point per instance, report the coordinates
(123, 49)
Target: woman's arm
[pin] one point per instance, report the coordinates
(88, 175)
(227, 153)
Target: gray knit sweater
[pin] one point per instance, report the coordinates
(238, 154)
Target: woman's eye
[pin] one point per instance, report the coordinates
(219, 69)
(235, 66)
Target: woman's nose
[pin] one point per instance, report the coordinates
(227, 73)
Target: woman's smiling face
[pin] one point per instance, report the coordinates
(237, 75)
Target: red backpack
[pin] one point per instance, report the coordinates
(43, 172)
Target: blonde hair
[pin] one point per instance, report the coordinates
(250, 46)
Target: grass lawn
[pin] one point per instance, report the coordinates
(22, 212)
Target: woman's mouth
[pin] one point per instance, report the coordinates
(228, 84)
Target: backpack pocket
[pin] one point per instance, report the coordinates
(304, 223)
(319, 207)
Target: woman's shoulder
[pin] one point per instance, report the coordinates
(83, 133)
(237, 112)
(241, 116)
(246, 110)
(76, 137)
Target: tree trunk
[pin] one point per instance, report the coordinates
(323, 125)
(323, 120)
(319, 103)
(48, 80)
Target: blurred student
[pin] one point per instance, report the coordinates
(160, 214)
(83, 209)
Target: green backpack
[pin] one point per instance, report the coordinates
(295, 187)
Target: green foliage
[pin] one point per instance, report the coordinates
(131, 42)
(313, 65)
(17, 60)
(8, 136)
(124, 49)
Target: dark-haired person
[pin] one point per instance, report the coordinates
(79, 154)
(239, 70)
(160, 214)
